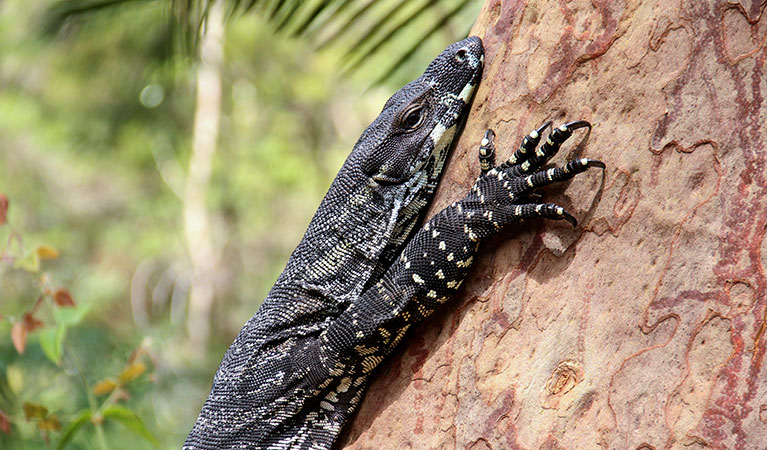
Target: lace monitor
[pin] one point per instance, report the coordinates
(362, 275)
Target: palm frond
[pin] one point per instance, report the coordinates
(360, 28)
(62, 12)
(340, 7)
(347, 25)
(362, 56)
(414, 48)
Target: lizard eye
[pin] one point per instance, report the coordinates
(413, 117)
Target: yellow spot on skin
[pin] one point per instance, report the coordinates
(400, 334)
(406, 316)
(465, 263)
(331, 397)
(434, 233)
(442, 245)
(326, 405)
(417, 279)
(440, 274)
(360, 334)
(450, 257)
(425, 312)
(432, 294)
(370, 363)
(362, 350)
(384, 332)
(454, 284)
(326, 383)
(344, 384)
(470, 232)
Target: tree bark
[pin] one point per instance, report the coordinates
(642, 328)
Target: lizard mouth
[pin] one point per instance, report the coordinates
(385, 180)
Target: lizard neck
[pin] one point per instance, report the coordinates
(347, 236)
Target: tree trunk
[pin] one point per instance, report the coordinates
(642, 328)
(203, 254)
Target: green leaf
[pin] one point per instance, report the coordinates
(81, 418)
(51, 340)
(71, 316)
(130, 420)
(34, 411)
(132, 372)
(15, 378)
(49, 423)
(104, 387)
(47, 252)
(30, 262)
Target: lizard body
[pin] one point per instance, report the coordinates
(361, 276)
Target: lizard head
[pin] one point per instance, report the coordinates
(406, 146)
(408, 143)
(388, 179)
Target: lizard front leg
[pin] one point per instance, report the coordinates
(437, 259)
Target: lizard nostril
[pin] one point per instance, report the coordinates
(460, 55)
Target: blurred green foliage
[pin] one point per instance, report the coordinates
(95, 135)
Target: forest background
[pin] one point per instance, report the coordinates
(153, 184)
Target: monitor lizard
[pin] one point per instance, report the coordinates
(363, 274)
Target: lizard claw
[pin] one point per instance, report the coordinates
(487, 151)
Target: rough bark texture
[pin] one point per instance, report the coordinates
(644, 327)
